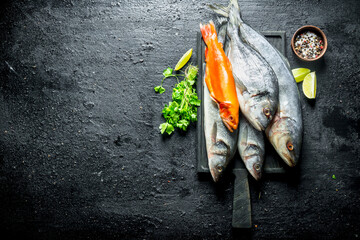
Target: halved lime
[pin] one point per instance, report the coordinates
(309, 85)
(183, 60)
(300, 73)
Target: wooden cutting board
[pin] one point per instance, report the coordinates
(273, 163)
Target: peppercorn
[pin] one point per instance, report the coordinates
(309, 45)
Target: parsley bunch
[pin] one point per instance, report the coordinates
(183, 109)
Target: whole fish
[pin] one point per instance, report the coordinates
(251, 144)
(251, 147)
(219, 78)
(220, 142)
(285, 131)
(256, 82)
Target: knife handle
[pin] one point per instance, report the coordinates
(241, 217)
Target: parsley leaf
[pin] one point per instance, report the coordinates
(168, 72)
(191, 73)
(195, 102)
(191, 82)
(183, 109)
(159, 89)
(166, 127)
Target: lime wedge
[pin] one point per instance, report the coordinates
(183, 60)
(309, 85)
(300, 73)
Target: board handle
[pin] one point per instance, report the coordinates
(241, 217)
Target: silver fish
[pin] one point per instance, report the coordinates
(256, 82)
(285, 131)
(251, 147)
(250, 142)
(220, 142)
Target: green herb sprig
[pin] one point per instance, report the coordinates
(183, 109)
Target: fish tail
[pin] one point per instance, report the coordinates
(222, 34)
(220, 9)
(221, 21)
(234, 13)
(225, 10)
(208, 32)
(235, 4)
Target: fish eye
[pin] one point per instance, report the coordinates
(267, 112)
(231, 118)
(219, 168)
(290, 146)
(257, 167)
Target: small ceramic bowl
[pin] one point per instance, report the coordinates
(315, 30)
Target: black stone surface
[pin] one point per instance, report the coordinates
(80, 152)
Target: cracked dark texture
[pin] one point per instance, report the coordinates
(81, 156)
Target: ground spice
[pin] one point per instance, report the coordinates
(309, 45)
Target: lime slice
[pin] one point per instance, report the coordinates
(183, 60)
(300, 73)
(309, 85)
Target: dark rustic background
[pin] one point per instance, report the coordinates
(81, 156)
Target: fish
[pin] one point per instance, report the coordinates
(251, 142)
(286, 129)
(251, 146)
(220, 142)
(256, 83)
(219, 78)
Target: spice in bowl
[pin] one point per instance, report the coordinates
(309, 45)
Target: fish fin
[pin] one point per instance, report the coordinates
(220, 9)
(223, 10)
(208, 32)
(221, 33)
(214, 99)
(234, 15)
(239, 84)
(225, 104)
(235, 4)
(213, 30)
(222, 20)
